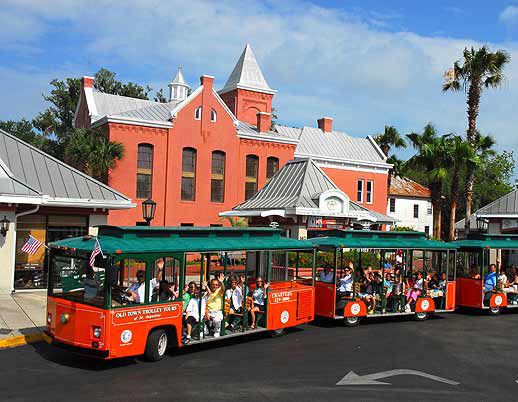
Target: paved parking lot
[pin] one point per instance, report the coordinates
(478, 352)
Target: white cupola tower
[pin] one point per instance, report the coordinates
(178, 88)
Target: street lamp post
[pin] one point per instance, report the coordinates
(482, 224)
(148, 210)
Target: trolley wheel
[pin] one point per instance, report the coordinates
(156, 345)
(351, 321)
(277, 333)
(421, 316)
(493, 310)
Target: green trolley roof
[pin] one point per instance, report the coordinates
(379, 240)
(480, 241)
(143, 239)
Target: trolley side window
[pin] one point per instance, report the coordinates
(131, 284)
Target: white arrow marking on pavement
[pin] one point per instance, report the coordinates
(371, 379)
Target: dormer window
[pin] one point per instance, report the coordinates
(197, 113)
(213, 115)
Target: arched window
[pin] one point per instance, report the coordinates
(272, 166)
(188, 174)
(213, 115)
(217, 179)
(144, 170)
(252, 168)
(197, 113)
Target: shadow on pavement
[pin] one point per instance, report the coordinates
(67, 358)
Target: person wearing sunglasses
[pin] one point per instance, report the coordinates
(258, 298)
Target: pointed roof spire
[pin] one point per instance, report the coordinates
(178, 88)
(178, 79)
(247, 74)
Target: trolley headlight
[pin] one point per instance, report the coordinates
(49, 318)
(97, 332)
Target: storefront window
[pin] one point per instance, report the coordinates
(31, 269)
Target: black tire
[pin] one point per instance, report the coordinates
(421, 316)
(155, 347)
(351, 321)
(276, 333)
(493, 311)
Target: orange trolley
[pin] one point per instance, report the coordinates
(476, 255)
(375, 273)
(132, 301)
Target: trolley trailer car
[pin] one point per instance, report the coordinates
(91, 311)
(477, 286)
(380, 271)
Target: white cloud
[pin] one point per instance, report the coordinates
(509, 14)
(322, 61)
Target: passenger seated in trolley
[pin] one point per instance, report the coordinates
(510, 288)
(192, 313)
(473, 272)
(345, 283)
(415, 290)
(367, 289)
(235, 297)
(258, 299)
(165, 292)
(326, 275)
(490, 281)
(214, 311)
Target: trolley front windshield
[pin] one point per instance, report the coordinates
(72, 278)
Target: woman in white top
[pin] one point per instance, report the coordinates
(345, 284)
(192, 313)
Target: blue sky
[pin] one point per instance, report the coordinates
(366, 63)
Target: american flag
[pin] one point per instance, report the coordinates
(95, 252)
(32, 245)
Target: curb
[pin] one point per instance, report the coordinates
(24, 340)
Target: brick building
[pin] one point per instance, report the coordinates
(205, 151)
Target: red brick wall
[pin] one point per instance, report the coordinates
(245, 104)
(347, 180)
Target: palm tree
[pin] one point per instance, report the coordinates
(431, 159)
(480, 69)
(91, 152)
(390, 138)
(236, 221)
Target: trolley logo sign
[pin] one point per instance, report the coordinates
(145, 314)
(282, 297)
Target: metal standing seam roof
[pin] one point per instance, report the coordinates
(294, 185)
(337, 145)
(108, 104)
(380, 240)
(33, 172)
(157, 112)
(247, 74)
(297, 185)
(116, 240)
(244, 128)
(505, 206)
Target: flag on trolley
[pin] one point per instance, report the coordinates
(95, 252)
(32, 245)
